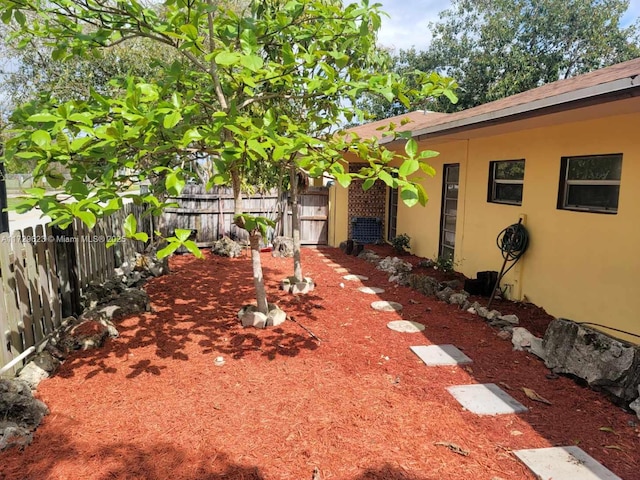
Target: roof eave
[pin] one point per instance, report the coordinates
(602, 93)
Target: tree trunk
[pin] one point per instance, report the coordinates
(295, 224)
(258, 280)
(254, 242)
(236, 183)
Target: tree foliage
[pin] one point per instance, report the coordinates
(497, 48)
(230, 95)
(220, 99)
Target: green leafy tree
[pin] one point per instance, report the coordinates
(497, 48)
(222, 99)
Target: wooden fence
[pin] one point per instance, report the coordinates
(210, 214)
(44, 271)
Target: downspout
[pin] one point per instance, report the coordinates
(463, 217)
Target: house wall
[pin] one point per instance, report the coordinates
(580, 265)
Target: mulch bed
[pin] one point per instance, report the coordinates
(357, 405)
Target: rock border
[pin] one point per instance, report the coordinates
(249, 316)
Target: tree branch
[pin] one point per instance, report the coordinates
(213, 68)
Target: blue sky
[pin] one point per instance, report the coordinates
(409, 22)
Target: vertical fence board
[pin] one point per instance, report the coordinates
(80, 248)
(25, 322)
(5, 332)
(54, 279)
(10, 297)
(33, 283)
(64, 268)
(44, 287)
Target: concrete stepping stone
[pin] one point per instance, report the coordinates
(327, 260)
(486, 399)
(384, 306)
(355, 278)
(564, 463)
(342, 270)
(334, 265)
(405, 326)
(440, 355)
(371, 290)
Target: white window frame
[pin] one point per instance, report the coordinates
(565, 183)
(493, 181)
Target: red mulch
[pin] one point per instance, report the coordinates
(358, 405)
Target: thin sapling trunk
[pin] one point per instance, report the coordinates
(295, 224)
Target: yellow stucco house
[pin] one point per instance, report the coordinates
(564, 158)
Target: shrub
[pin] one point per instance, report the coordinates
(401, 243)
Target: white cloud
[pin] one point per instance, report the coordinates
(409, 22)
(408, 25)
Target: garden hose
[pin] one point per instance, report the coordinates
(512, 242)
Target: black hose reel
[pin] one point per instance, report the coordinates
(512, 242)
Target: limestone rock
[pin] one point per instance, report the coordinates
(369, 256)
(454, 284)
(523, 340)
(300, 288)
(290, 285)
(459, 299)
(276, 317)
(394, 266)
(401, 278)
(445, 295)
(20, 413)
(127, 302)
(250, 317)
(283, 247)
(39, 368)
(510, 319)
(96, 294)
(254, 319)
(635, 405)
(85, 335)
(483, 312)
(594, 356)
(493, 315)
(424, 284)
(225, 247)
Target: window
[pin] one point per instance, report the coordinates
(506, 181)
(590, 183)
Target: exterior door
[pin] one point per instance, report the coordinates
(451, 175)
(392, 214)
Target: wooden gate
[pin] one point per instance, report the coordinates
(313, 211)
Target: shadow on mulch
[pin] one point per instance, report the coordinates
(358, 405)
(209, 313)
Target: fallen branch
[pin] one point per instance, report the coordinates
(454, 448)
(305, 328)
